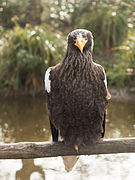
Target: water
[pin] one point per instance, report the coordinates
(25, 119)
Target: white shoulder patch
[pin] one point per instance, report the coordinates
(92, 45)
(105, 81)
(47, 80)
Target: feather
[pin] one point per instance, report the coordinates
(105, 80)
(69, 162)
(47, 80)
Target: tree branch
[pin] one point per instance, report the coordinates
(27, 150)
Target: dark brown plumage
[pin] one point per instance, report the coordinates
(77, 93)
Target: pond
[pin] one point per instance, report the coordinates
(26, 119)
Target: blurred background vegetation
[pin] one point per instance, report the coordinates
(33, 37)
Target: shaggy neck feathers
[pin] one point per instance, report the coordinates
(76, 66)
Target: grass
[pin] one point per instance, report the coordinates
(25, 55)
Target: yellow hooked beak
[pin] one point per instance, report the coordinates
(80, 43)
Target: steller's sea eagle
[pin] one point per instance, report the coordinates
(77, 94)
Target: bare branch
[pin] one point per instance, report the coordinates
(27, 150)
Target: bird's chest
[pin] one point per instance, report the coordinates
(73, 93)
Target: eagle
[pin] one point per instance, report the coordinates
(77, 94)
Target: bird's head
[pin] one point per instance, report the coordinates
(80, 40)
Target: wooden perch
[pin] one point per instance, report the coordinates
(27, 150)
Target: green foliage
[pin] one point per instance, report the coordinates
(11, 8)
(59, 12)
(108, 25)
(108, 20)
(25, 11)
(25, 54)
(122, 71)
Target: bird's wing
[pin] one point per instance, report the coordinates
(103, 125)
(48, 91)
(100, 105)
(107, 97)
(47, 85)
(105, 81)
(48, 81)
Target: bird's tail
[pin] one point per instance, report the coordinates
(69, 162)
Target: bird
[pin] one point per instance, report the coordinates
(77, 94)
